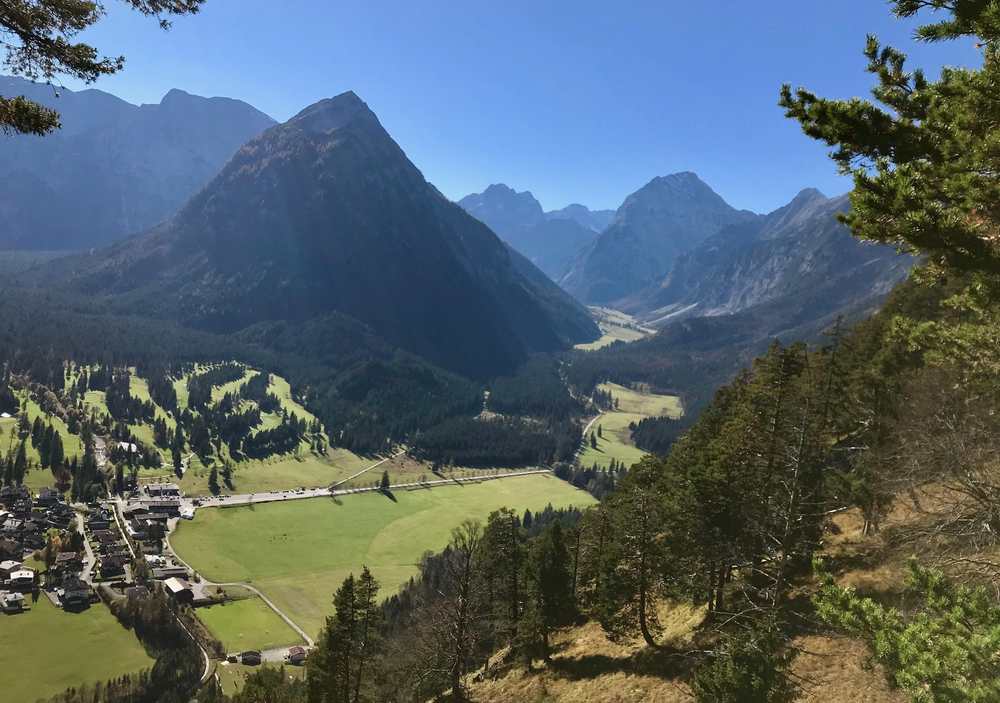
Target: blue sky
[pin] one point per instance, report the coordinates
(576, 101)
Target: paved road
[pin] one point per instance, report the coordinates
(279, 496)
(89, 559)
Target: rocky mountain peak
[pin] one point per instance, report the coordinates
(333, 113)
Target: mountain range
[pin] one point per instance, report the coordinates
(324, 216)
(549, 239)
(800, 254)
(323, 219)
(114, 168)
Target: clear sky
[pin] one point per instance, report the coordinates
(576, 101)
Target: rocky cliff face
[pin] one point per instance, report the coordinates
(799, 252)
(664, 219)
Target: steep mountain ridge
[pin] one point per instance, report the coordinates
(325, 214)
(799, 253)
(667, 217)
(114, 168)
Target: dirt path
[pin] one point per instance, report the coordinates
(364, 471)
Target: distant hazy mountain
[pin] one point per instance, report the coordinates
(114, 168)
(326, 215)
(597, 220)
(664, 219)
(551, 240)
(799, 253)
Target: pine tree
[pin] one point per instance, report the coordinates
(923, 154)
(503, 543)
(367, 638)
(56, 455)
(21, 462)
(550, 601)
(331, 666)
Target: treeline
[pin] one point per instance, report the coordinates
(200, 385)
(536, 390)
(656, 434)
(513, 442)
(597, 481)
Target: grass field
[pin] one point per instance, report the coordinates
(298, 552)
(247, 624)
(616, 440)
(45, 651)
(615, 326)
(280, 472)
(233, 676)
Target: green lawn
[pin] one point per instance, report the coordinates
(45, 651)
(616, 442)
(280, 472)
(298, 552)
(247, 624)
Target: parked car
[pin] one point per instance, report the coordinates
(251, 658)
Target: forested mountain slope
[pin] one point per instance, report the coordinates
(325, 214)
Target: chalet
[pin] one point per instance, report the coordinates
(68, 563)
(135, 509)
(163, 490)
(105, 537)
(33, 539)
(137, 528)
(48, 497)
(168, 572)
(21, 579)
(11, 495)
(297, 656)
(7, 567)
(180, 590)
(144, 506)
(157, 517)
(113, 567)
(11, 602)
(58, 518)
(74, 594)
(99, 520)
(251, 658)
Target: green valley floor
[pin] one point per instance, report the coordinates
(298, 552)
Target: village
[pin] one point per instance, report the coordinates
(80, 556)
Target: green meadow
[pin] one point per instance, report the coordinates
(42, 651)
(298, 552)
(615, 441)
